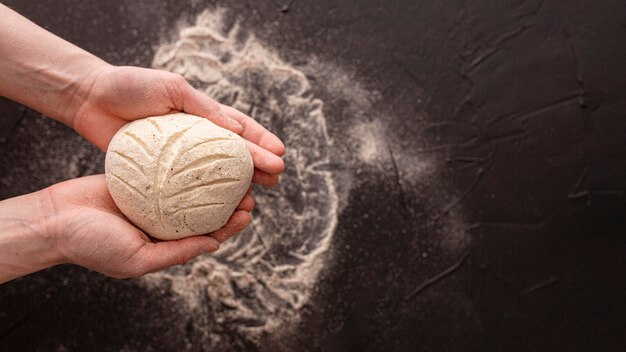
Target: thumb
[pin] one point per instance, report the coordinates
(157, 256)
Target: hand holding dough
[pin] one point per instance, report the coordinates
(177, 175)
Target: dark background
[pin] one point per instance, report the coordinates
(522, 103)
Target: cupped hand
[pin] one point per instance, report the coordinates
(113, 96)
(89, 230)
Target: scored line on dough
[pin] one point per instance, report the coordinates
(129, 186)
(196, 207)
(197, 187)
(132, 162)
(202, 162)
(210, 140)
(141, 143)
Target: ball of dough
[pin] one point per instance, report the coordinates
(177, 175)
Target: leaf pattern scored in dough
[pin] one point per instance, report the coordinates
(160, 167)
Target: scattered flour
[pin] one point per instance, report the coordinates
(258, 282)
(372, 142)
(259, 279)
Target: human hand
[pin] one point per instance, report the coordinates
(112, 96)
(89, 230)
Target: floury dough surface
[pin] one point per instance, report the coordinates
(177, 175)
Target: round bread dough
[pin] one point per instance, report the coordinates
(177, 175)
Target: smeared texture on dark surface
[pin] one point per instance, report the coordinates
(519, 103)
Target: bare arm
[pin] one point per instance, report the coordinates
(25, 245)
(41, 70)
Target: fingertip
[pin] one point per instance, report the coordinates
(255, 132)
(265, 179)
(237, 222)
(265, 160)
(280, 165)
(278, 148)
(241, 218)
(247, 203)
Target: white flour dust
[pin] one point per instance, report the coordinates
(376, 152)
(372, 142)
(259, 279)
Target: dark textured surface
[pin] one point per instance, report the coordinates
(520, 103)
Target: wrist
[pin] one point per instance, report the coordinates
(74, 87)
(41, 70)
(27, 240)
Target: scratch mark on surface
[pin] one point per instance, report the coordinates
(494, 48)
(578, 195)
(22, 319)
(472, 227)
(411, 75)
(437, 277)
(523, 116)
(539, 285)
(398, 179)
(446, 209)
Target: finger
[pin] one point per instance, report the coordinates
(197, 103)
(264, 178)
(106, 126)
(254, 132)
(160, 255)
(237, 222)
(247, 203)
(265, 160)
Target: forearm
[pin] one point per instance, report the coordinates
(26, 245)
(41, 70)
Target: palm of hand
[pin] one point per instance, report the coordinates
(97, 236)
(119, 95)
